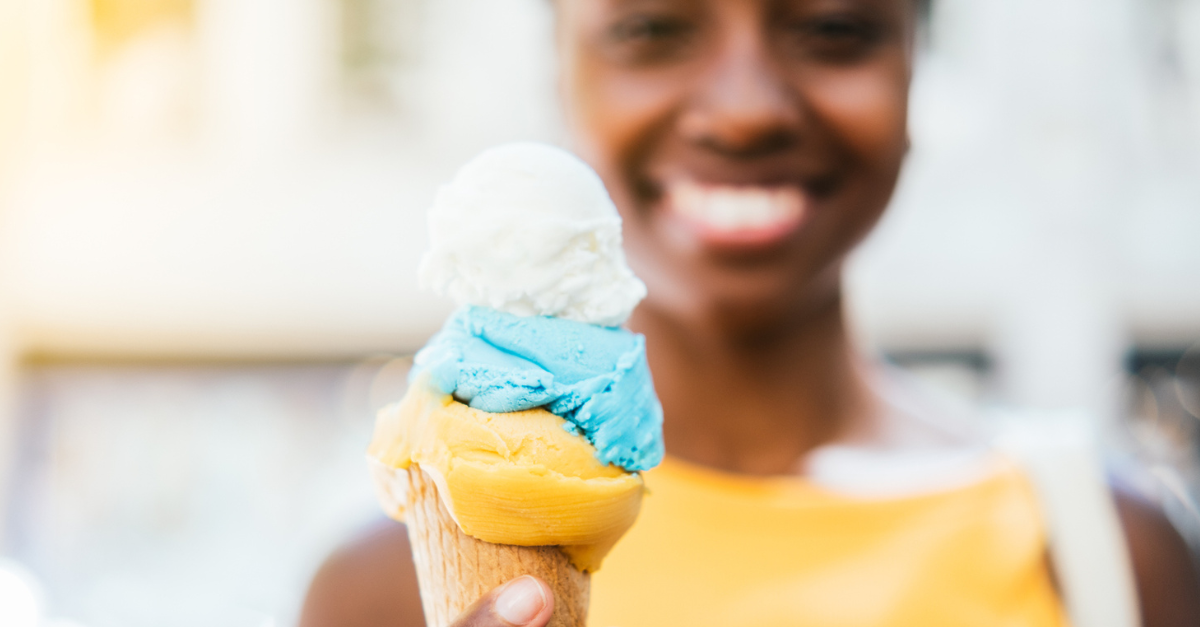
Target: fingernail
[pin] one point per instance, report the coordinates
(520, 601)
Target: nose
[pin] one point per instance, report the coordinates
(743, 105)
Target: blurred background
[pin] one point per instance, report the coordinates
(211, 213)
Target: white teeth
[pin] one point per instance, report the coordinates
(736, 208)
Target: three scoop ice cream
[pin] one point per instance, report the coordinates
(532, 410)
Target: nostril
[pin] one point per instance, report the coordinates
(741, 127)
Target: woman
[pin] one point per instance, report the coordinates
(750, 144)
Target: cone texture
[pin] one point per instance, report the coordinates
(455, 569)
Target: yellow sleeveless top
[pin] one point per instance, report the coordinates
(711, 548)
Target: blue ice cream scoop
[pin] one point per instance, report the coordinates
(595, 377)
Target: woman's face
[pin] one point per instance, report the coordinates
(749, 144)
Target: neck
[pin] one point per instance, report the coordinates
(755, 405)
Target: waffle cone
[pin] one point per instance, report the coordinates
(455, 570)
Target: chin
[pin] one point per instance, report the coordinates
(747, 306)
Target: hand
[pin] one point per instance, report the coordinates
(523, 602)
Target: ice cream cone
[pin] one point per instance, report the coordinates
(455, 569)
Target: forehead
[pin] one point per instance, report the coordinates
(592, 22)
(921, 5)
(582, 14)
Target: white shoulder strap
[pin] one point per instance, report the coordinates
(1086, 542)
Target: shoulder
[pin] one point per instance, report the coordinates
(1060, 453)
(368, 582)
(1168, 587)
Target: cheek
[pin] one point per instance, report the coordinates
(864, 112)
(867, 110)
(614, 114)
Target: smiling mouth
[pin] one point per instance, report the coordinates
(727, 216)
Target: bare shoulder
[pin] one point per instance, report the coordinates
(368, 582)
(1168, 586)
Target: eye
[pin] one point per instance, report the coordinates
(837, 29)
(644, 28)
(647, 38)
(836, 38)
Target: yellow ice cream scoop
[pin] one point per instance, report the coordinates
(518, 478)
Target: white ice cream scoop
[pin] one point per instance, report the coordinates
(529, 229)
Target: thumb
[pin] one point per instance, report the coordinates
(523, 602)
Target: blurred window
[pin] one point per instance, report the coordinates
(190, 494)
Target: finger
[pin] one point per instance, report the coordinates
(523, 602)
